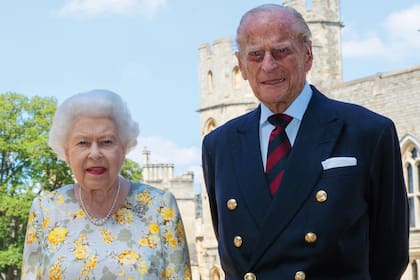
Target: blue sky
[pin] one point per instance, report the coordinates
(147, 51)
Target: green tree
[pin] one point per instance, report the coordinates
(26, 163)
(27, 167)
(14, 211)
(131, 170)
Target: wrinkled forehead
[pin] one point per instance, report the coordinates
(266, 27)
(89, 124)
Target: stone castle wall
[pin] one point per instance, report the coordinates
(394, 94)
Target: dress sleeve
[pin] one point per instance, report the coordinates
(31, 266)
(175, 247)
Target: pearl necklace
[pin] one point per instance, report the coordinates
(99, 221)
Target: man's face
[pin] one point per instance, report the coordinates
(272, 59)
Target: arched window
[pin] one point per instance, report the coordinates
(209, 126)
(215, 274)
(411, 163)
(210, 81)
(414, 271)
(236, 77)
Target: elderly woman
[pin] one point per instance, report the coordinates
(103, 226)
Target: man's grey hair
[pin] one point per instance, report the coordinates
(301, 27)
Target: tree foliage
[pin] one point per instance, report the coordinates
(27, 167)
(131, 170)
(14, 211)
(26, 161)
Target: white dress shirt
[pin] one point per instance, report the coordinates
(295, 110)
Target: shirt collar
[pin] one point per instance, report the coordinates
(295, 110)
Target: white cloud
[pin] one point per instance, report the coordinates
(166, 151)
(403, 27)
(370, 46)
(399, 40)
(91, 8)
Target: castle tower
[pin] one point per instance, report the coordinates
(323, 18)
(223, 93)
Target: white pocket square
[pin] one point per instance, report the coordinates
(335, 162)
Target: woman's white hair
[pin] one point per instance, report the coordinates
(94, 103)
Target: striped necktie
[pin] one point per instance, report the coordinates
(278, 151)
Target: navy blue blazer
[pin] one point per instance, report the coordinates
(347, 222)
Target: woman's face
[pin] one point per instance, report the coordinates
(95, 152)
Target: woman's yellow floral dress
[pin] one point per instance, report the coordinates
(144, 239)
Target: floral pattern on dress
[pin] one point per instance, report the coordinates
(144, 239)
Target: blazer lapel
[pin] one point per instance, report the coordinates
(318, 133)
(249, 170)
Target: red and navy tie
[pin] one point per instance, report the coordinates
(278, 150)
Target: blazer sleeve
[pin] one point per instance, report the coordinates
(209, 181)
(389, 213)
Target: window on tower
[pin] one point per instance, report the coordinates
(411, 163)
(210, 85)
(236, 77)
